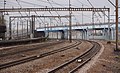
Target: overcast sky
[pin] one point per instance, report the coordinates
(59, 3)
(55, 3)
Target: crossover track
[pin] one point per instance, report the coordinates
(16, 62)
(73, 65)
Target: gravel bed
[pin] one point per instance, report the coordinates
(34, 52)
(108, 62)
(47, 63)
(4, 50)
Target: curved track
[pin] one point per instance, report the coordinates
(16, 62)
(73, 65)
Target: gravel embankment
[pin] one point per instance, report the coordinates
(108, 62)
(44, 64)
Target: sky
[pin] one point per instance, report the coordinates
(56, 3)
(61, 3)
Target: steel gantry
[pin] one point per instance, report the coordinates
(39, 16)
(32, 25)
(53, 9)
(70, 9)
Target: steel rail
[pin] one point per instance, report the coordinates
(30, 49)
(23, 41)
(88, 59)
(16, 62)
(85, 57)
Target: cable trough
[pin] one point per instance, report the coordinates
(77, 62)
(27, 59)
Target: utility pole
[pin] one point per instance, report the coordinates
(93, 23)
(116, 25)
(109, 26)
(10, 34)
(3, 13)
(27, 28)
(116, 7)
(82, 14)
(17, 26)
(4, 5)
(22, 28)
(70, 34)
(33, 26)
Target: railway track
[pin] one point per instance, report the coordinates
(30, 49)
(73, 65)
(6, 43)
(27, 59)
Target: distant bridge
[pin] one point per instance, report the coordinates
(79, 26)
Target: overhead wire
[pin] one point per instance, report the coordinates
(42, 1)
(39, 18)
(53, 7)
(18, 3)
(58, 4)
(55, 11)
(46, 7)
(82, 3)
(82, 7)
(20, 7)
(21, 21)
(31, 3)
(97, 12)
(77, 20)
(8, 3)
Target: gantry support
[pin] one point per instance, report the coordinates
(39, 16)
(53, 9)
(57, 9)
(116, 26)
(32, 26)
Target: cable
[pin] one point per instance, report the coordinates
(112, 3)
(97, 12)
(39, 18)
(52, 15)
(82, 3)
(18, 3)
(42, 1)
(53, 7)
(77, 20)
(55, 11)
(58, 4)
(21, 7)
(32, 3)
(51, 1)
